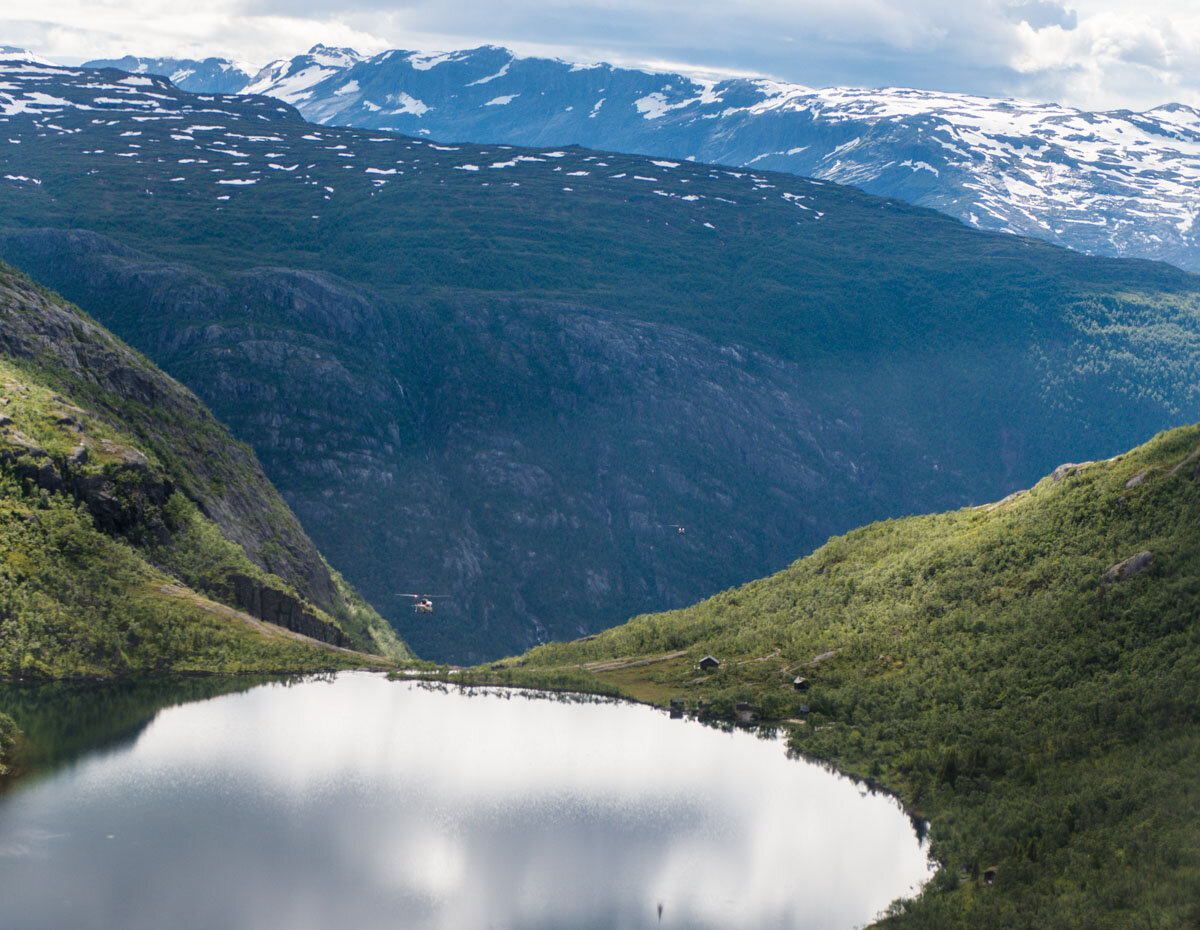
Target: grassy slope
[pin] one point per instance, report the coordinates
(75, 600)
(977, 664)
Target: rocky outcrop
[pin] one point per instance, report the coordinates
(1067, 470)
(1134, 565)
(124, 498)
(274, 606)
(200, 458)
(1137, 480)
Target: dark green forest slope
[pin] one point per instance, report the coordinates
(1026, 675)
(503, 374)
(135, 534)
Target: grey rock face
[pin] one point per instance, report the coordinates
(279, 607)
(1134, 565)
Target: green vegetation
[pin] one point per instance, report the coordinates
(8, 741)
(74, 602)
(109, 564)
(1041, 710)
(364, 625)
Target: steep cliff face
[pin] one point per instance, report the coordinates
(88, 423)
(221, 476)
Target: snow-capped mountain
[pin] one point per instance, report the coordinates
(291, 79)
(1116, 183)
(13, 53)
(210, 76)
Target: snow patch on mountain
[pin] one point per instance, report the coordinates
(429, 60)
(491, 77)
(1116, 183)
(403, 103)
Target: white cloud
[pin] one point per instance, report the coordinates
(1135, 57)
(1094, 53)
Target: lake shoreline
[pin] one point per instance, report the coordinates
(436, 785)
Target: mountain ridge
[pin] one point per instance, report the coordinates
(1064, 175)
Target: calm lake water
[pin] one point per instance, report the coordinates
(362, 803)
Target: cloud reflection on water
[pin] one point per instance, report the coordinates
(370, 803)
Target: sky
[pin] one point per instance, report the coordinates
(1094, 54)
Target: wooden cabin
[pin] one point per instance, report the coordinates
(800, 683)
(708, 663)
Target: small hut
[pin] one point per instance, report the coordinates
(708, 663)
(800, 683)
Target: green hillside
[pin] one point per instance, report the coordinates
(1021, 674)
(502, 374)
(135, 535)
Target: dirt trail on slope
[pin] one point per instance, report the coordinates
(267, 629)
(612, 665)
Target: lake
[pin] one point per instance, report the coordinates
(355, 801)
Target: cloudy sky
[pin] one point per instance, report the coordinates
(1088, 53)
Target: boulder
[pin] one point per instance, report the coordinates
(1134, 565)
(1138, 479)
(1066, 470)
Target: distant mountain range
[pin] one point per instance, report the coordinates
(210, 76)
(1112, 183)
(503, 374)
